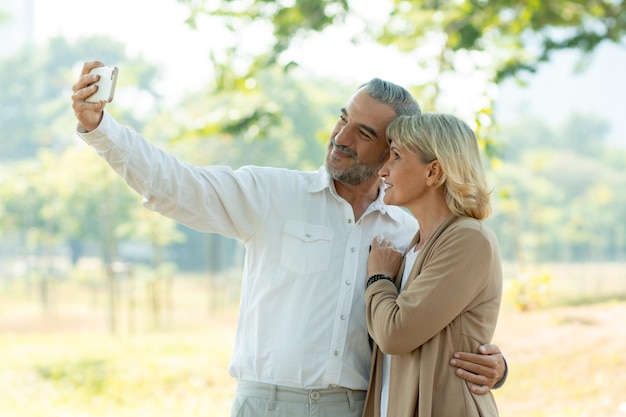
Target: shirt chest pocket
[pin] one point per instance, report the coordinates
(306, 248)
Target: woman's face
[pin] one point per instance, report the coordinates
(405, 176)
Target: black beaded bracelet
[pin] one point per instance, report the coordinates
(377, 277)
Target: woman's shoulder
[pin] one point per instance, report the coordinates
(471, 228)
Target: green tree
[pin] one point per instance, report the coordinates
(53, 194)
(496, 38)
(585, 133)
(296, 140)
(559, 193)
(522, 33)
(36, 83)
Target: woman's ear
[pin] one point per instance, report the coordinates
(434, 173)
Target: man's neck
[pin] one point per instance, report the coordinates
(359, 196)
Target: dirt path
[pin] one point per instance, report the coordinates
(568, 361)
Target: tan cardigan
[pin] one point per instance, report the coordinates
(449, 303)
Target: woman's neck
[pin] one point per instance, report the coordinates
(430, 220)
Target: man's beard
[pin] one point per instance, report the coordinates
(357, 173)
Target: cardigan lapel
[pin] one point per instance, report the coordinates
(425, 251)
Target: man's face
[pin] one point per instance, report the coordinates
(358, 144)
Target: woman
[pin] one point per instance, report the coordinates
(448, 289)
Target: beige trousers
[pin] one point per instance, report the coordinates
(254, 399)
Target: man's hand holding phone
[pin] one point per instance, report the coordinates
(95, 87)
(105, 84)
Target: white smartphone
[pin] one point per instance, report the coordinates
(106, 84)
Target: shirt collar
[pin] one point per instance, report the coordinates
(394, 213)
(322, 181)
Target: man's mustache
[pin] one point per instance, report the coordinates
(343, 149)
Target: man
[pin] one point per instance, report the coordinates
(301, 344)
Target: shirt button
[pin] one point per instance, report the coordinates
(352, 250)
(348, 282)
(336, 353)
(349, 220)
(343, 317)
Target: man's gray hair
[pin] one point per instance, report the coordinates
(394, 95)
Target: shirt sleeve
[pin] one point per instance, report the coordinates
(451, 281)
(208, 199)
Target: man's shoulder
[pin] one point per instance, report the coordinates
(284, 179)
(279, 173)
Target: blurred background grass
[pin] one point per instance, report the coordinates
(566, 355)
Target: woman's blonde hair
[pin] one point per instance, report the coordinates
(452, 142)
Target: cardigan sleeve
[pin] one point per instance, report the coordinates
(454, 276)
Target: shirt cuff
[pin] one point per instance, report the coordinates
(103, 136)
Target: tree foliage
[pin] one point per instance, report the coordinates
(51, 194)
(223, 128)
(520, 34)
(558, 200)
(497, 39)
(36, 85)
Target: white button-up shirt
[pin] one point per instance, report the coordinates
(302, 314)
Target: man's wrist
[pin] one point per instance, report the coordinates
(502, 380)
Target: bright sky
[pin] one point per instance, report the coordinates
(159, 33)
(156, 30)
